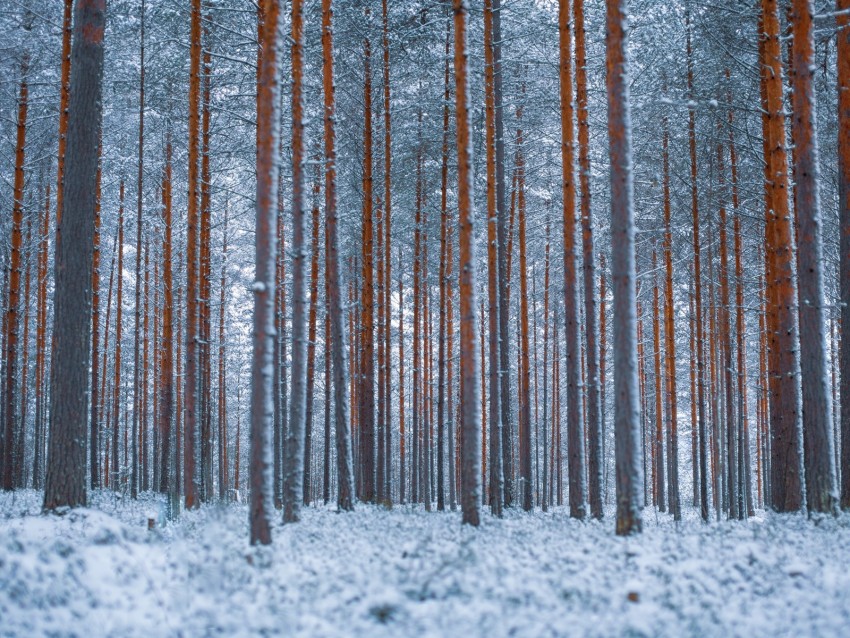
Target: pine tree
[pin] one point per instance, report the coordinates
(264, 279)
(66, 460)
(293, 467)
(821, 490)
(469, 346)
(626, 404)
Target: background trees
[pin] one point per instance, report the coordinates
(703, 204)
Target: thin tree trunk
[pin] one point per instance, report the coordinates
(670, 341)
(191, 479)
(41, 347)
(387, 246)
(366, 405)
(626, 406)
(732, 426)
(700, 395)
(496, 478)
(524, 371)
(262, 410)
(293, 470)
(14, 300)
(593, 414)
(167, 481)
(469, 350)
(572, 341)
(401, 434)
(94, 423)
(116, 383)
(843, 58)
(223, 449)
(64, 100)
(143, 434)
(659, 410)
(311, 343)
(205, 276)
(545, 497)
(137, 399)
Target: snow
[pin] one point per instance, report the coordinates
(402, 572)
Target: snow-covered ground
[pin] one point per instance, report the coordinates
(100, 572)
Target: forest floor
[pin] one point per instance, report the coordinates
(402, 572)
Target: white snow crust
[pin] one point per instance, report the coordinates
(374, 572)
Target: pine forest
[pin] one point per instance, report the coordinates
(424, 317)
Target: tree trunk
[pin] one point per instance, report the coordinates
(205, 284)
(387, 246)
(66, 461)
(64, 99)
(821, 488)
(262, 411)
(524, 369)
(41, 347)
(168, 479)
(783, 361)
(366, 405)
(311, 343)
(14, 301)
(191, 487)
(593, 414)
(626, 405)
(94, 423)
(293, 469)
(843, 57)
(469, 348)
(659, 410)
(496, 478)
(732, 426)
(702, 428)
(114, 478)
(572, 341)
(223, 449)
(670, 341)
(137, 399)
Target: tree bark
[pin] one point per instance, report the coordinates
(262, 406)
(593, 415)
(496, 478)
(626, 405)
(783, 360)
(293, 467)
(821, 488)
(66, 461)
(702, 428)
(14, 301)
(366, 405)
(843, 57)
(670, 341)
(469, 346)
(191, 480)
(572, 341)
